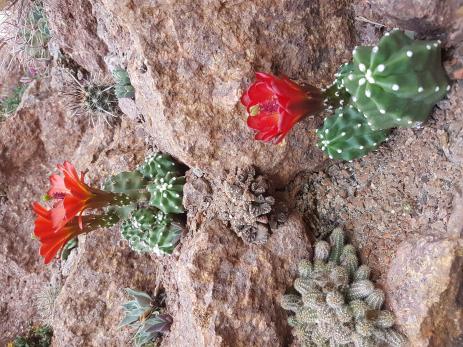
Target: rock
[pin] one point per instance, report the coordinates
(219, 287)
(424, 287)
(88, 309)
(191, 64)
(74, 28)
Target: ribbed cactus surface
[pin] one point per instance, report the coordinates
(347, 135)
(397, 82)
(151, 230)
(336, 304)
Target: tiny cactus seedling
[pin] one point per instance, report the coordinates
(158, 165)
(347, 135)
(336, 303)
(68, 247)
(397, 82)
(151, 230)
(167, 193)
(123, 87)
(142, 314)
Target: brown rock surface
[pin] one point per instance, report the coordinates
(223, 285)
(424, 282)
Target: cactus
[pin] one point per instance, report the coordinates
(131, 183)
(151, 230)
(123, 88)
(397, 82)
(347, 135)
(149, 320)
(159, 165)
(337, 304)
(94, 100)
(167, 193)
(336, 95)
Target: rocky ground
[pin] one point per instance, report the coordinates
(189, 63)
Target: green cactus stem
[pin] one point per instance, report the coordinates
(167, 193)
(159, 165)
(397, 82)
(123, 88)
(151, 230)
(347, 135)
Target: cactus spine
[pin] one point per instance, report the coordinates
(337, 303)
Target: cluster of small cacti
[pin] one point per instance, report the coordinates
(151, 230)
(336, 303)
(145, 315)
(123, 88)
(36, 337)
(157, 186)
(393, 84)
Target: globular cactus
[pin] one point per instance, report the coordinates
(397, 82)
(337, 304)
(123, 88)
(100, 99)
(335, 95)
(347, 135)
(167, 193)
(159, 165)
(151, 230)
(142, 314)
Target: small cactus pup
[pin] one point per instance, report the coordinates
(397, 82)
(151, 230)
(335, 95)
(95, 100)
(159, 164)
(146, 316)
(347, 135)
(123, 88)
(336, 303)
(167, 193)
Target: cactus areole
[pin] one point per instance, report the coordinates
(275, 104)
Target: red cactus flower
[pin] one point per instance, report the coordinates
(275, 104)
(53, 239)
(72, 196)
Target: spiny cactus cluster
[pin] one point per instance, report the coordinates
(347, 135)
(97, 101)
(151, 230)
(393, 84)
(244, 201)
(146, 316)
(336, 303)
(36, 337)
(35, 33)
(157, 186)
(123, 88)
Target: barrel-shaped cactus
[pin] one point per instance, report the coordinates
(158, 165)
(336, 303)
(397, 82)
(151, 230)
(347, 135)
